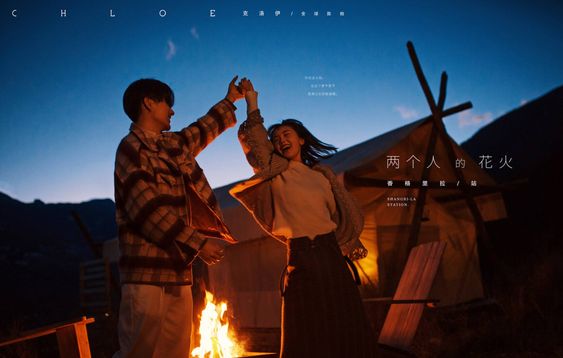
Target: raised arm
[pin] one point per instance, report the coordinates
(253, 136)
(219, 118)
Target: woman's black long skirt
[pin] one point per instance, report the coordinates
(322, 312)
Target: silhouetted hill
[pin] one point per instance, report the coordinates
(40, 251)
(528, 250)
(531, 135)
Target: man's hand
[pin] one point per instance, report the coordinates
(234, 93)
(211, 252)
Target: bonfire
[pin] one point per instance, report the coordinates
(216, 341)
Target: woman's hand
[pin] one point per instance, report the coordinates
(250, 95)
(234, 93)
(245, 85)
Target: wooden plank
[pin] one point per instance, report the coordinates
(95, 284)
(442, 96)
(94, 276)
(94, 269)
(95, 279)
(456, 109)
(402, 320)
(73, 341)
(408, 288)
(95, 290)
(421, 78)
(43, 331)
(96, 262)
(407, 315)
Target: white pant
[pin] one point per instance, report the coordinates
(155, 321)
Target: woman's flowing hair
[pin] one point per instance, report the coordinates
(313, 150)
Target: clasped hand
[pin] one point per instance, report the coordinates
(211, 252)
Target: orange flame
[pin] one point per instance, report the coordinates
(216, 340)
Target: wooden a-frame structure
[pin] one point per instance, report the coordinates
(467, 193)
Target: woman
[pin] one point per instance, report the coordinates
(300, 203)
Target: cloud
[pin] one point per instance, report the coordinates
(406, 113)
(171, 52)
(194, 33)
(523, 102)
(468, 118)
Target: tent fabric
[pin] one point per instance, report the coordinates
(248, 277)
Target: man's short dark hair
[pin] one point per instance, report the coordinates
(145, 88)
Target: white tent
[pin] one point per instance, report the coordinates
(249, 275)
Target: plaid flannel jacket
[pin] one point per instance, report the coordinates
(165, 208)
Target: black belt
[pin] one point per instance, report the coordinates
(305, 242)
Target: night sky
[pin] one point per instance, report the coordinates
(63, 78)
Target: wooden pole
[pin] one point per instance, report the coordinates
(431, 148)
(421, 197)
(95, 247)
(483, 242)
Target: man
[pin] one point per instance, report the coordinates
(166, 216)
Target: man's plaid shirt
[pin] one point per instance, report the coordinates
(164, 205)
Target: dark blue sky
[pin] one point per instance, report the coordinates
(63, 78)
